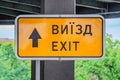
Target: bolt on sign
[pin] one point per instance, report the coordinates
(54, 37)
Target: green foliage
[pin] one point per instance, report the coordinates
(107, 68)
(10, 67)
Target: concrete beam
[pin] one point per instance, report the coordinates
(91, 4)
(112, 7)
(35, 3)
(19, 7)
(8, 12)
(85, 10)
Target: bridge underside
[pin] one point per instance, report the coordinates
(9, 9)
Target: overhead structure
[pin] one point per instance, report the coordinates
(107, 8)
(9, 9)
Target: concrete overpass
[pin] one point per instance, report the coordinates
(9, 9)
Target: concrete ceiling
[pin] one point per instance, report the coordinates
(9, 9)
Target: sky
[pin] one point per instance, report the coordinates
(7, 31)
(112, 27)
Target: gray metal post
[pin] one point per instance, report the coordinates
(56, 70)
(37, 70)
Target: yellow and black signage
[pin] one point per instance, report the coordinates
(59, 37)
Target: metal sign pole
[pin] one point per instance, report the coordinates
(37, 70)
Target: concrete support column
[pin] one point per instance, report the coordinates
(59, 70)
(56, 70)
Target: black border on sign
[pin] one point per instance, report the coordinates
(59, 56)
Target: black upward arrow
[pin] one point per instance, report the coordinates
(35, 36)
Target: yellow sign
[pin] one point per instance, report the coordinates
(62, 36)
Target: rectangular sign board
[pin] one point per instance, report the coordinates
(54, 37)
